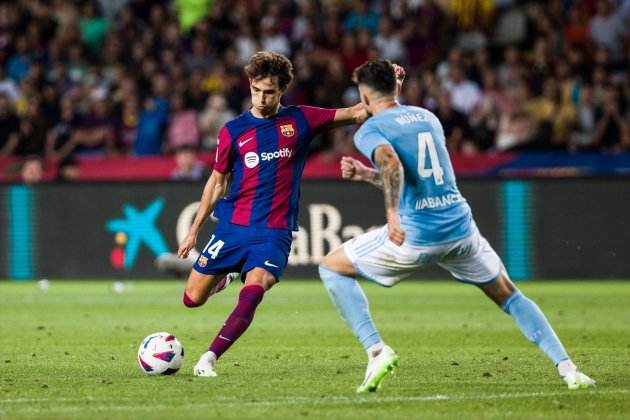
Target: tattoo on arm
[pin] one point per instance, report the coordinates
(377, 180)
(391, 176)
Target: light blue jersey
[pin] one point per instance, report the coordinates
(432, 209)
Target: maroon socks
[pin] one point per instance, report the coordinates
(238, 321)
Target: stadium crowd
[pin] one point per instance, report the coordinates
(140, 78)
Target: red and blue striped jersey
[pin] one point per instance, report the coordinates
(266, 157)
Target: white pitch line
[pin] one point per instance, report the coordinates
(293, 401)
(36, 400)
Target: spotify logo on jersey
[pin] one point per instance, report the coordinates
(251, 159)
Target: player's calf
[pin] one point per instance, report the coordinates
(201, 286)
(534, 325)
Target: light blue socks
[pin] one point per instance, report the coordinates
(353, 307)
(534, 326)
(351, 304)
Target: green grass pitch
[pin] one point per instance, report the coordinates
(70, 352)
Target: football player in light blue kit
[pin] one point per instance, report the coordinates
(428, 221)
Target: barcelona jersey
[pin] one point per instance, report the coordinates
(266, 157)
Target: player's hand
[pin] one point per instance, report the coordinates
(354, 170)
(395, 232)
(359, 113)
(400, 73)
(187, 244)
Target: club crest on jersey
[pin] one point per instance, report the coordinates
(287, 130)
(203, 261)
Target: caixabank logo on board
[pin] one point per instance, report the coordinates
(136, 229)
(321, 231)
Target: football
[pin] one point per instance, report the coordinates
(160, 354)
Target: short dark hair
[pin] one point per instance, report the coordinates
(379, 75)
(270, 64)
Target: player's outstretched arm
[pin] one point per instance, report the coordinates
(215, 188)
(392, 174)
(353, 170)
(356, 114)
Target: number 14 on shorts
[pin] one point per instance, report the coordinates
(212, 248)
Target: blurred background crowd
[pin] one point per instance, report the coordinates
(145, 78)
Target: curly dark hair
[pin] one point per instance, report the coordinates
(270, 64)
(379, 75)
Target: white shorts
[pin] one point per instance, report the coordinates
(469, 260)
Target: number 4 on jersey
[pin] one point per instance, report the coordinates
(425, 142)
(213, 248)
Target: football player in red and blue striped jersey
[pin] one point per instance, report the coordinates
(263, 151)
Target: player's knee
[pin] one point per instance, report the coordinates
(324, 271)
(260, 277)
(338, 263)
(190, 301)
(500, 290)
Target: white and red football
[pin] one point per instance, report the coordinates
(160, 354)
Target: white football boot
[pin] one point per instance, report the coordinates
(205, 365)
(578, 380)
(573, 377)
(378, 366)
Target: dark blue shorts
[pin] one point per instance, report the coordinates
(235, 248)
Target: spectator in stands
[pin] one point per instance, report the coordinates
(188, 168)
(95, 132)
(361, 17)
(509, 70)
(150, 127)
(584, 128)
(195, 94)
(465, 94)
(19, 63)
(199, 57)
(389, 42)
(608, 27)
(575, 29)
(455, 58)
(413, 94)
(484, 118)
(129, 118)
(612, 131)
(61, 132)
(93, 27)
(212, 118)
(32, 131)
(8, 87)
(245, 43)
(351, 54)
(553, 116)
(182, 127)
(455, 124)
(272, 39)
(9, 125)
(516, 127)
(69, 170)
(32, 171)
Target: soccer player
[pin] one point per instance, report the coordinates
(428, 221)
(264, 151)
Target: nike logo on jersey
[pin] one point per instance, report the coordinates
(244, 142)
(268, 264)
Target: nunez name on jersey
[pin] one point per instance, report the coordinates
(266, 157)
